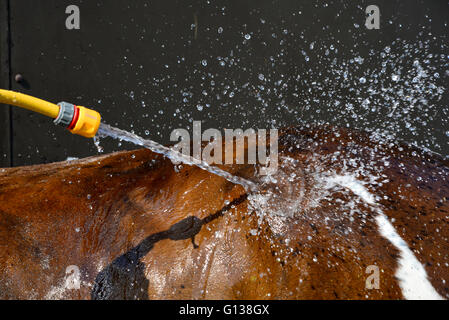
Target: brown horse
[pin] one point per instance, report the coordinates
(344, 217)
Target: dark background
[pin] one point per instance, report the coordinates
(153, 66)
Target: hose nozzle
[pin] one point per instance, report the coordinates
(79, 120)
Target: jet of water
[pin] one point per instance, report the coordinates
(122, 135)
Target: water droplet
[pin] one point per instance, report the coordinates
(247, 36)
(204, 62)
(362, 80)
(395, 77)
(359, 60)
(97, 144)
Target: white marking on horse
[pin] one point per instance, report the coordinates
(412, 276)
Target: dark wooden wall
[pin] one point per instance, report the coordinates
(139, 63)
(5, 112)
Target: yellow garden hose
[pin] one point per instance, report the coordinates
(79, 120)
(28, 102)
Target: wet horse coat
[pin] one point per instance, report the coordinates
(136, 228)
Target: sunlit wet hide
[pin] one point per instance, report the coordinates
(131, 225)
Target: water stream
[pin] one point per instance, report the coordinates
(122, 135)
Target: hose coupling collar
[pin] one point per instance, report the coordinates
(66, 113)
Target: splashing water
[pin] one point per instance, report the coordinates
(282, 193)
(122, 135)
